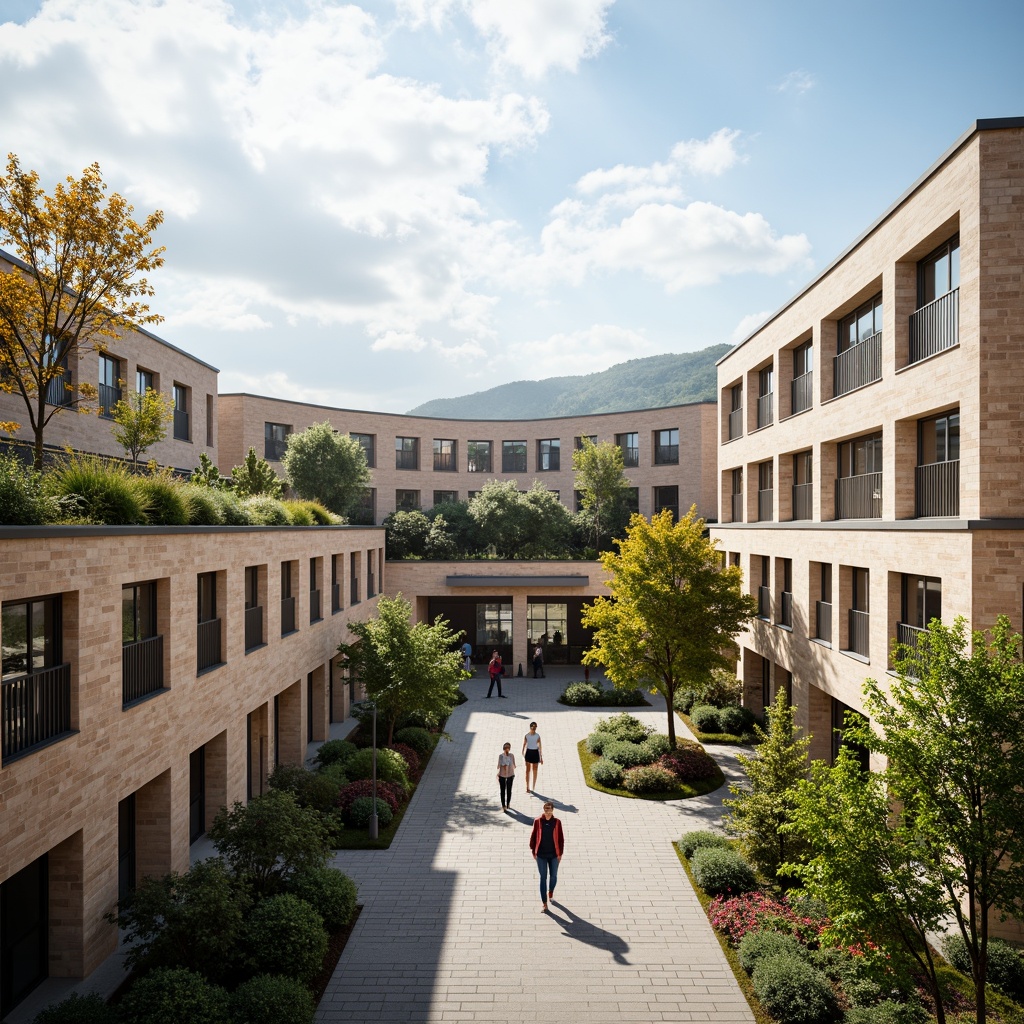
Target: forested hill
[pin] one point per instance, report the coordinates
(652, 382)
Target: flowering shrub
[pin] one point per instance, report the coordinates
(411, 758)
(390, 792)
(756, 911)
(689, 763)
(648, 778)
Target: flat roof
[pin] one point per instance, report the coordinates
(985, 124)
(507, 580)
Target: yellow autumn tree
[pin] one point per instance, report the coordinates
(673, 613)
(81, 257)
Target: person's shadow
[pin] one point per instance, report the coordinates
(568, 808)
(583, 931)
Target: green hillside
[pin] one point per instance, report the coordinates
(652, 382)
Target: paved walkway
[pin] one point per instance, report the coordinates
(451, 927)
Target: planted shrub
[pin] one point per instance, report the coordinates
(597, 740)
(790, 989)
(886, 1012)
(272, 999)
(735, 916)
(606, 773)
(174, 996)
(719, 871)
(702, 840)
(648, 778)
(624, 697)
(691, 763)
(656, 745)
(231, 507)
(263, 510)
(203, 507)
(321, 514)
(856, 975)
(756, 946)
(97, 491)
(391, 766)
(721, 689)
(684, 700)
(1005, 966)
(420, 739)
(166, 505)
(735, 719)
(362, 808)
(285, 935)
(392, 793)
(79, 1009)
(328, 891)
(582, 695)
(705, 718)
(629, 755)
(624, 727)
(411, 758)
(335, 774)
(334, 752)
(298, 514)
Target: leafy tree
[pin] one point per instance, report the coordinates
(765, 802)
(604, 490)
(269, 839)
(459, 525)
(255, 476)
(206, 474)
(405, 534)
(548, 522)
(863, 863)
(951, 728)
(441, 543)
(326, 466)
(531, 525)
(405, 668)
(82, 253)
(140, 420)
(673, 612)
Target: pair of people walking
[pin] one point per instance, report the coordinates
(532, 755)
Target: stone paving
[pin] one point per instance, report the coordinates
(451, 928)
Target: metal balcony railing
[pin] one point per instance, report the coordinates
(370, 586)
(208, 644)
(803, 501)
(253, 627)
(786, 609)
(354, 591)
(935, 327)
(631, 457)
(335, 597)
(765, 410)
(34, 710)
(764, 602)
(56, 392)
(287, 615)
(181, 431)
(666, 455)
(736, 423)
(737, 508)
(515, 463)
(142, 668)
(766, 504)
(444, 462)
(274, 449)
(859, 497)
(802, 397)
(937, 489)
(314, 606)
(407, 460)
(823, 621)
(908, 635)
(109, 396)
(858, 365)
(859, 633)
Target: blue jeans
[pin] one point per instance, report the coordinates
(545, 865)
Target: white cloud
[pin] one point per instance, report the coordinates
(749, 324)
(398, 341)
(797, 81)
(280, 385)
(589, 350)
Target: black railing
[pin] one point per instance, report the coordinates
(181, 432)
(908, 635)
(208, 644)
(631, 456)
(735, 423)
(786, 610)
(335, 597)
(314, 606)
(34, 710)
(765, 410)
(937, 489)
(274, 448)
(935, 327)
(858, 365)
(666, 455)
(764, 602)
(287, 615)
(674, 509)
(823, 621)
(353, 591)
(109, 396)
(407, 460)
(737, 508)
(803, 501)
(142, 668)
(859, 497)
(444, 462)
(802, 397)
(56, 392)
(765, 504)
(549, 461)
(859, 622)
(513, 463)
(253, 627)
(370, 585)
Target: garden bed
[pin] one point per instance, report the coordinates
(725, 738)
(680, 792)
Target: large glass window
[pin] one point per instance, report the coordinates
(138, 612)
(144, 381)
(444, 455)
(478, 456)
(368, 441)
(860, 456)
(549, 454)
(667, 498)
(666, 447)
(803, 359)
(207, 596)
(922, 600)
(407, 501)
(939, 272)
(275, 440)
(939, 439)
(630, 445)
(182, 428)
(494, 623)
(444, 497)
(513, 456)
(861, 324)
(407, 453)
(581, 438)
(546, 619)
(31, 636)
(109, 385)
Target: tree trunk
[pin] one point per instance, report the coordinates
(670, 702)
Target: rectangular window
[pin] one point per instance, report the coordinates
(765, 476)
(736, 411)
(861, 455)
(546, 622)
(444, 456)
(666, 447)
(765, 491)
(314, 590)
(549, 454)
(786, 602)
(275, 440)
(736, 483)
(144, 381)
(253, 608)
(630, 445)
(921, 600)
(859, 487)
(803, 485)
(860, 593)
(937, 475)
(142, 649)
(206, 603)
(764, 589)
(667, 498)
(935, 325)
(208, 631)
(407, 453)
(863, 323)
(939, 272)
(368, 441)
(353, 569)
(803, 359)
(443, 497)
(407, 501)
(582, 438)
(494, 624)
(182, 429)
(337, 571)
(765, 396)
(478, 456)
(31, 636)
(939, 439)
(513, 456)
(109, 385)
(138, 612)
(209, 421)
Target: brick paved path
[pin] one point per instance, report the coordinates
(451, 927)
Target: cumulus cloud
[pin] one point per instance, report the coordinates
(589, 350)
(797, 82)
(749, 324)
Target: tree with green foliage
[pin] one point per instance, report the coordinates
(531, 525)
(327, 466)
(863, 862)
(459, 526)
(405, 668)
(673, 613)
(604, 490)
(951, 729)
(79, 282)
(255, 476)
(140, 420)
(764, 802)
(206, 474)
(405, 534)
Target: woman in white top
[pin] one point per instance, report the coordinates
(532, 755)
(506, 775)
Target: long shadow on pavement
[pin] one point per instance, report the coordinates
(583, 931)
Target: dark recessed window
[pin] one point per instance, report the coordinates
(549, 454)
(444, 455)
(666, 447)
(407, 453)
(478, 456)
(368, 441)
(513, 456)
(275, 440)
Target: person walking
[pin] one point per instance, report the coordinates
(547, 841)
(506, 775)
(495, 670)
(467, 656)
(538, 661)
(533, 755)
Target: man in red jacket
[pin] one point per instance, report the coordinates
(547, 841)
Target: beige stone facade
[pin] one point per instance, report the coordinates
(119, 750)
(675, 470)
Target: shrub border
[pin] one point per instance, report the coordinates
(682, 792)
(724, 738)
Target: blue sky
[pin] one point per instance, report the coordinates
(373, 205)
